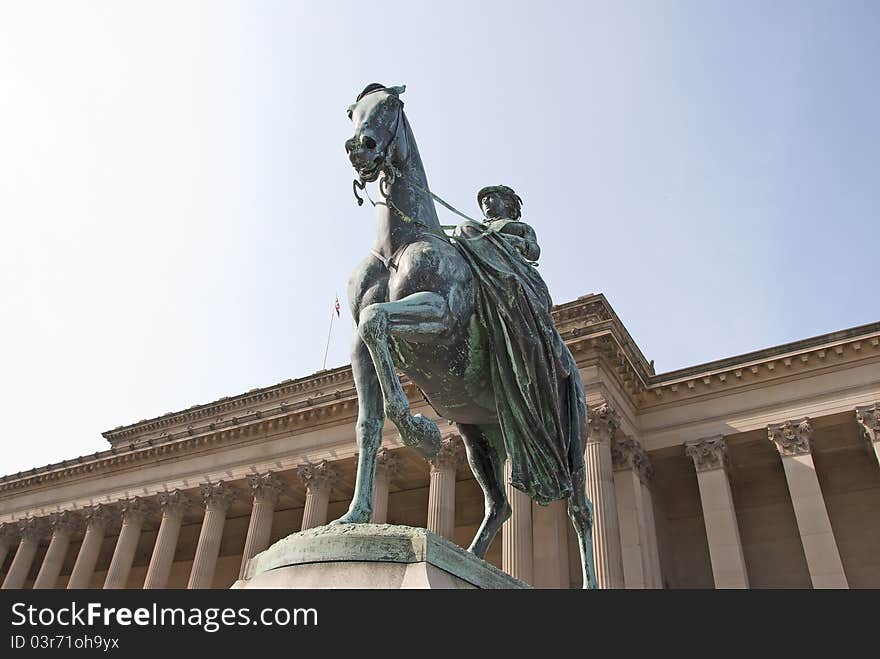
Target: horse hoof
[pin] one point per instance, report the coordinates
(423, 437)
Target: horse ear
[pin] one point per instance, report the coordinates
(397, 91)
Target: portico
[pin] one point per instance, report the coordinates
(754, 471)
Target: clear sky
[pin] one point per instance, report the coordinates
(176, 202)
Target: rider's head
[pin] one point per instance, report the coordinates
(499, 201)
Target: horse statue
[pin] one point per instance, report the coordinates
(469, 324)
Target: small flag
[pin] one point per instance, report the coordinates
(337, 306)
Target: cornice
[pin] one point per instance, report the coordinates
(767, 366)
(259, 396)
(588, 325)
(587, 315)
(296, 418)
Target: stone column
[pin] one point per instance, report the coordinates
(217, 497)
(31, 531)
(868, 418)
(725, 547)
(134, 512)
(604, 422)
(63, 526)
(174, 505)
(319, 480)
(792, 440)
(266, 489)
(8, 540)
(517, 540)
(647, 475)
(627, 457)
(441, 491)
(550, 545)
(96, 519)
(387, 467)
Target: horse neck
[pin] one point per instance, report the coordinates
(407, 194)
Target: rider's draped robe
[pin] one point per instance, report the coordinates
(538, 389)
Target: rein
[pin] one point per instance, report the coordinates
(391, 175)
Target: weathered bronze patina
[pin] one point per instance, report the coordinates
(468, 319)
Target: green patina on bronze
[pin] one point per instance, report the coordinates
(467, 319)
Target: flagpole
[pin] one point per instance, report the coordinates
(327, 349)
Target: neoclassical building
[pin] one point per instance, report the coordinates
(758, 471)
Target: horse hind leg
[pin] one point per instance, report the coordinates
(486, 455)
(419, 316)
(580, 511)
(369, 434)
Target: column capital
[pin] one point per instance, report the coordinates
(791, 437)
(868, 418)
(450, 455)
(66, 522)
(100, 514)
(627, 453)
(135, 509)
(173, 502)
(604, 422)
(33, 528)
(9, 532)
(317, 475)
(708, 454)
(388, 463)
(266, 486)
(218, 495)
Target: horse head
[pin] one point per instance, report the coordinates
(378, 140)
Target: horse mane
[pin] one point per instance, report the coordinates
(369, 89)
(376, 87)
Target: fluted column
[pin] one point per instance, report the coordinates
(173, 505)
(550, 525)
(722, 531)
(604, 422)
(319, 479)
(647, 476)
(868, 418)
(517, 541)
(31, 531)
(8, 540)
(793, 441)
(387, 467)
(63, 526)
(96, 519)
(627, 457)
(441, 491)
(217, 497)
(266, 489)
(134, 512)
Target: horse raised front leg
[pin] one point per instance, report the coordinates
(369, 433)
(418, 316)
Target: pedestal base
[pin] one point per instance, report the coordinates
(370, 556)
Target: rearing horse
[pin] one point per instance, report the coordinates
(414, 298)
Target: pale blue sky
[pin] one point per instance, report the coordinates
(177, 210)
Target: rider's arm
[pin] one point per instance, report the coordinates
(523, 238)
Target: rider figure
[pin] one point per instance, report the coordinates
(502, 210)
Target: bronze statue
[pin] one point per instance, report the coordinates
(502, 210)
(468, 319)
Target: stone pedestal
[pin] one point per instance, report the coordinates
(370, 556)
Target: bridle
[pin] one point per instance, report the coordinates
(391, 174)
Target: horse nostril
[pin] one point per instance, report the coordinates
(369, 142)
(349, 145)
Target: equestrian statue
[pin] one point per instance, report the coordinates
(467, 318)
